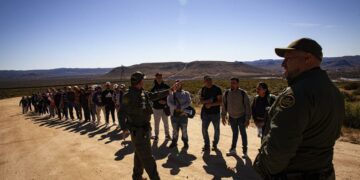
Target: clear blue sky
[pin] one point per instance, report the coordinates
(42, 34)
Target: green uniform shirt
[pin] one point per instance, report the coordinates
(305, 122)
(136, 107)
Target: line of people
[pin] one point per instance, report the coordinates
(231, 107)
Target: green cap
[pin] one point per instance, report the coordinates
(137, 77)
(304, 44)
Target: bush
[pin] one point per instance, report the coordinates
(352, 115)
(349, 97)
(352, 86)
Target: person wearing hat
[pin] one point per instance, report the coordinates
(107, 96)
(211, 98)
(159, 108)
(305, 120)
(136, 110)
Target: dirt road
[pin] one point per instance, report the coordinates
(34, 147)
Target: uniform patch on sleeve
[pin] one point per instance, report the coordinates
(287, 101)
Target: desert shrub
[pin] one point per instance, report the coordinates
(349, 97)
(352, 86)
(352, 115)
(356, 92)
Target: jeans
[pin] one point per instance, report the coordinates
(206, 120)
(110, 108)
(71, 106)
(158, 115)
(122, 122)
(177, 124)
(236, 125)
(78, 111)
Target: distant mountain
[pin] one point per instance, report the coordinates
(345, 64)
(337, 67)
(191, 70)
(52, 73)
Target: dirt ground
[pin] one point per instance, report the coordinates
(34, 147)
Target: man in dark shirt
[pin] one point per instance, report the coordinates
(159, 107)
(136, 108)
(305, 120)
(211, 98)
(107, 98)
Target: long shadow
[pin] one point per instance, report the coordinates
(82, 128)
(177, 160)
(216, 165)
(127, 149)
(244, 169)
(112, 135)
(160, 152)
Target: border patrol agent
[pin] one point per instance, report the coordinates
(305, 120)
(137, 110)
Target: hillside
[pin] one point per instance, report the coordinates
(191, 70)
(51, 73)
(339, 65)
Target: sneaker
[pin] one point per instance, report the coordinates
(232, 152)
(172, 145)
(206, 148)
(167, 137)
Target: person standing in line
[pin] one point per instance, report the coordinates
(84, 102)
(23, 103)
(237, 105)
(211, 98)
(261, 104)
(178, 101)
(71, 101)
(65, 103)
(159, 108)
(51, 99)
(77, 104)
(98, 101)
(92, 105)
(29, 102)
(57, 100)
(107, 97)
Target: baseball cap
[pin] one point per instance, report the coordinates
(304, 44)
(137, 77)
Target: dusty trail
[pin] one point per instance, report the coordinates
(34, 147)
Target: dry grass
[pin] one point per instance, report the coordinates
(350, 135)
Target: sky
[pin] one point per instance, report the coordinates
(45, 34)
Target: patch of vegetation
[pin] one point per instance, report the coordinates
(352, 115)
(352, 86)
